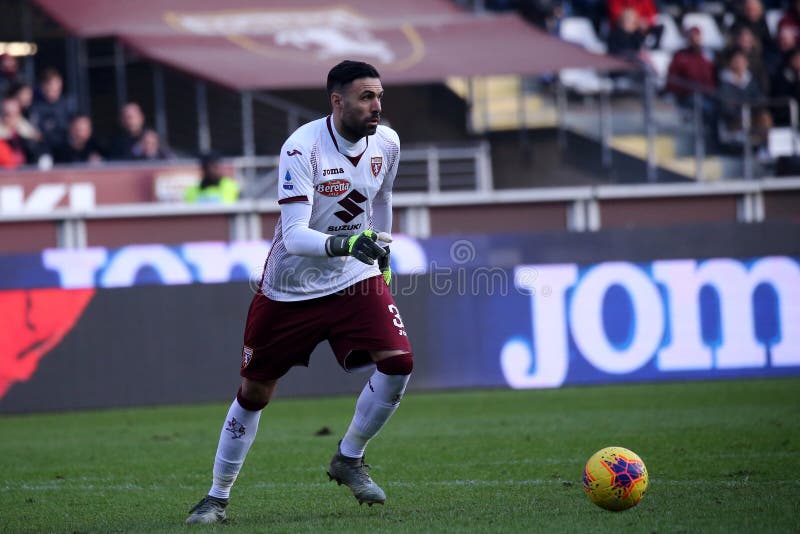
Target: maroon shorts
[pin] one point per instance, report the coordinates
(361, 318)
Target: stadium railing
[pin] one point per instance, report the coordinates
(421, 214)
(621, 105)
(423, 169)
(740, 141)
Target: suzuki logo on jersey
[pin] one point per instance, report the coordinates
(376, 162)
(350, 203)
(333, 188)
(344, 228)
(328, 172)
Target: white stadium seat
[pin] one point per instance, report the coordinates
(671, 38)
(660, 60)
(579, 30)
(773, 18)
(712, 37)
(584, 81)
(779, 142)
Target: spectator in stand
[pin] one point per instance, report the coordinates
(150, 148)
(18, 133)
(132, 128)
(786, 84)
(737, 86)
(544, 14)
(742, 38)
(80, 146)
(9, 72)
(791, 20)
(8, 158)
(645, 9)
(690, 69)
(626, 39)
(214, 186)
(787, 41)
(646, 16)
(751, 15)
(23, 93)
(51, 109)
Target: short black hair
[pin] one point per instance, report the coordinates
(736, 51)
(209, 158)
(347, 71)
(76, 116)
(15, 87)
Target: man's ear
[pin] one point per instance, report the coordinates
(336, 100)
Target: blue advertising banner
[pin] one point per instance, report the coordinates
(550, 325)
(479, 314)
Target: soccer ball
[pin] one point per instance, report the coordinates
(615, 478)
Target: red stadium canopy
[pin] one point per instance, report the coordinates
(254, 44)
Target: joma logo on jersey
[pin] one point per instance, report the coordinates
(328, 172)
(333, 188)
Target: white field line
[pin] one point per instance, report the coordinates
(304, 486)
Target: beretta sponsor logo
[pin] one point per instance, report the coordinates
(333, 188)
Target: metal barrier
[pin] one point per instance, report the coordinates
(741, 137)
(582, 208)
(429, 169)
(602, 110)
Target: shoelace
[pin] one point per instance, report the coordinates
(203, 506)
(362, 470)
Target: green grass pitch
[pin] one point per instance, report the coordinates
(723, 457)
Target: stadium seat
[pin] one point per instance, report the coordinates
(779, 143)
(584, 81)
(660, 60)
(672, 38)
(579, 30)
(773, 17)
(727, 21)
(712, 36)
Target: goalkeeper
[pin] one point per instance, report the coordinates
(325, 279)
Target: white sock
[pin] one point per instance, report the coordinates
(238, 433)
(378, 401)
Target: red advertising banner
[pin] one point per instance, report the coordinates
(35, 191)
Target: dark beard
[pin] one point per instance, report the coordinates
(354, 132)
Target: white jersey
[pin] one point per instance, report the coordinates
(341, 190)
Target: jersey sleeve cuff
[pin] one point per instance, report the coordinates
(288, 200)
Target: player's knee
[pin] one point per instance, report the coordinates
(402, 364)
(253, 396)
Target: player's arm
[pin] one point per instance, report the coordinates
(296, 195)
(298, 238)
(301, 240)
(382, 220)
(382, 204)
(382, 212)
